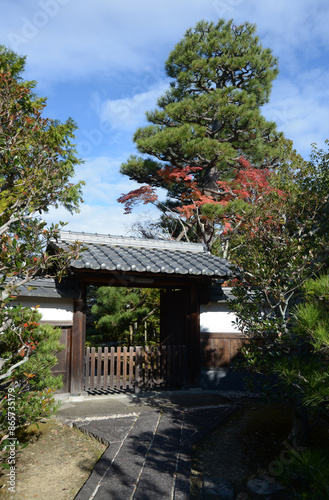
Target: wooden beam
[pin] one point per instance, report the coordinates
(140, 280)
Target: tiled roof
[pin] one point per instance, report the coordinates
(48, 287)
(112, 253)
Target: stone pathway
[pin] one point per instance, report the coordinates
(148, 457)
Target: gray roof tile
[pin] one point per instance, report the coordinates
(49, 287)
(109, 253)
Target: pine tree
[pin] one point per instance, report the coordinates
(210, 117)
(129, 315)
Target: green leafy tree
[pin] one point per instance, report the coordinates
(37, 160)
(129, 315)
(281, 245)
(221, 77)
(31, 384)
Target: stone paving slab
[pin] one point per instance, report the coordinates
(149, 455)
(158, 475)
(123, 479)
(100, 470)
(108, 430)
(198, 422)
(83, 407)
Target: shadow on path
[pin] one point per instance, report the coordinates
(149, 454)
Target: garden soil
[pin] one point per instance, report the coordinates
(55, 464)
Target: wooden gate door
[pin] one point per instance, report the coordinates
(173, 317)
(63, 366)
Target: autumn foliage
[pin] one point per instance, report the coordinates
(144, 194)
(196, 205)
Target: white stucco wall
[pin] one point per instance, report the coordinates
(217, 317)
(52, 310)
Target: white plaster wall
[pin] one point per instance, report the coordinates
(52, 310)
(217, 317)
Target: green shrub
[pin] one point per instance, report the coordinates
(28, 391)
(308, 474)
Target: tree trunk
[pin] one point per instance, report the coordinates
(209, 186)
(300, 432)
(209, 181)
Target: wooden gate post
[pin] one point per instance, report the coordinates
(193, 353)
(78, 343)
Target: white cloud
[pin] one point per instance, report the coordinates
(100, 211)
(103, 182)
(129, 113)
(71, 38)
(94, 218)
(99, 169)
(65, 39)
(102, 219)
(301, 108)
(288, 26)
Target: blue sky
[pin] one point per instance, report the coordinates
(101, 62)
